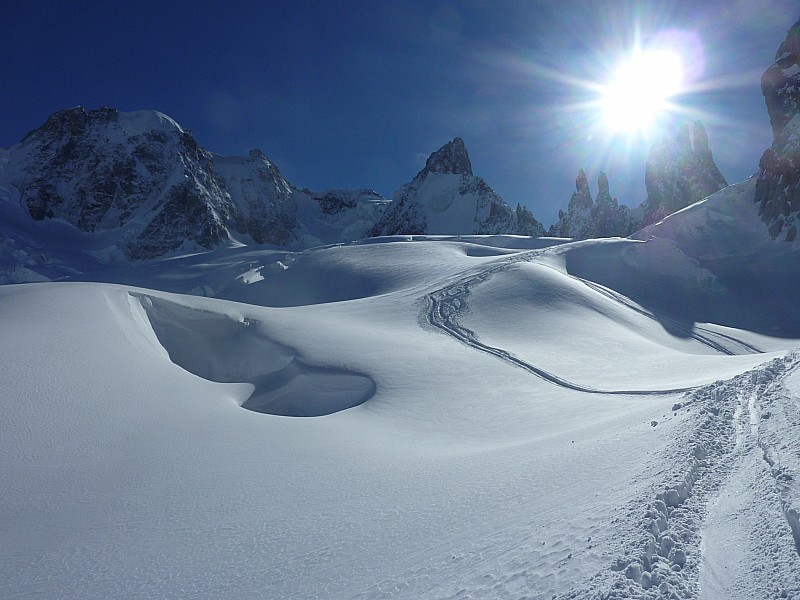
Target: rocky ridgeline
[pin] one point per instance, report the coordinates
(145, 182)
(680, 171)
(778, 183)
(445, 197)
(584, 219)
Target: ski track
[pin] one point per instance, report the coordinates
(445, 304)
(735, 429)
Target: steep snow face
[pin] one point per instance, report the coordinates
(338, 215)
(713, 261)
(139, 122)
(262, 196)
(446, 198)
(778, 187)
(137, 173)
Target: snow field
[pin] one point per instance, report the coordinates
(488, 424)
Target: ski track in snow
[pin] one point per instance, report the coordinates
(730, 441)
(445, 304)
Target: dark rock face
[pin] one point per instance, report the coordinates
(778, 183)
(151, 189)
(527, 223)
(446, 198)
(679, 174)
(333, 203)
(450, 158)
(609, 218)
(575, 222)
(585, 219)
(100, 171)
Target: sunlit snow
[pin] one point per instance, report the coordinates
(431, 417)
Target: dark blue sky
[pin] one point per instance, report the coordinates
(357, 93)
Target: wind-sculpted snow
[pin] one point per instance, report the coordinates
(448, 306)
(218, 348)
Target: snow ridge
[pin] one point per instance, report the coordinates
(446, 304)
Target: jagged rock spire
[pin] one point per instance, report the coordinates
(604, 217)
(679, 173)
(602, 185)
(778, 184)
(582, 198)
(700, 139)
(450, 158)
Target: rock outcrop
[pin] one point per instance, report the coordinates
(145, 183)
(446, 198)
(778, 184)
(679, 173)
(585, 218)
(140, 171)
(575, 222)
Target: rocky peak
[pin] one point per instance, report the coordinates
(586, 219)
(138, 173)
(452, 205)
(679, 173)
(778, 184)
(700, 139)
(450, 158)
(582, 197)
(602, 185)
(682, 140)
(780, 85)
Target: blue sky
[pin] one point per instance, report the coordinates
(357, 94)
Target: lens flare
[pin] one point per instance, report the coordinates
(640, 89)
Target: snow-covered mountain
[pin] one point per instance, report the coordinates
(446, 198)
(145, 178)
(778, 187)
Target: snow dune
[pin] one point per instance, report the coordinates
(430, 417)
(218, 348)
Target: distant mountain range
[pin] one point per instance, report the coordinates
(143, 185)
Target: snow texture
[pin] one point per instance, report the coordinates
(430, 417)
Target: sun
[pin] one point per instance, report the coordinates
(639, 91)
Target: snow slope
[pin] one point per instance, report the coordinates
(413, 417)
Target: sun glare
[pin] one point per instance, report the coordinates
(640, 89)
